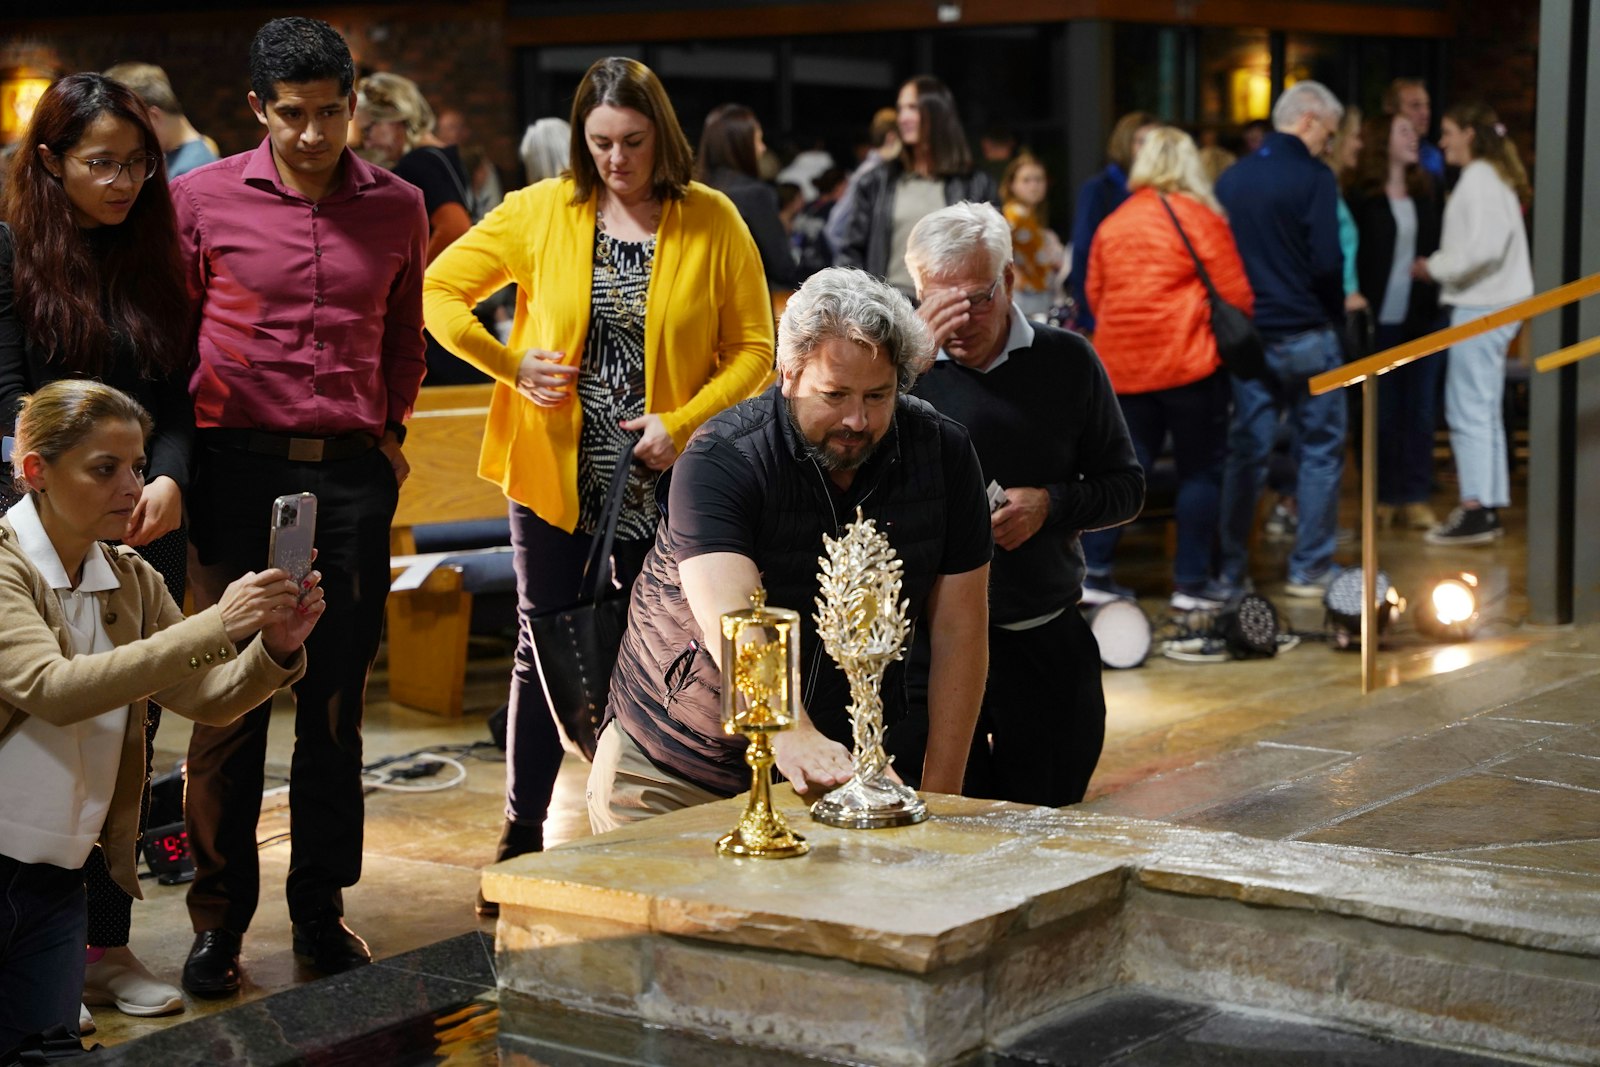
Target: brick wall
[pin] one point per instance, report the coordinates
(458, 59)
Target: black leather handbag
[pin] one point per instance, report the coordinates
(1239, 346)
(577, 645)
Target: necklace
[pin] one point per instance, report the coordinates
(630, 306)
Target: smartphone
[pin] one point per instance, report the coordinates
(294, 528)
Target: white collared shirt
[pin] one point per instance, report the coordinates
(56, 782)
(1019, 335)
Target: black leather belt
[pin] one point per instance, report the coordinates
(290, 447)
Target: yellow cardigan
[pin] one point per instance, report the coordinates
(708, 325)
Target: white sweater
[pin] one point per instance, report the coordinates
(1483, 250)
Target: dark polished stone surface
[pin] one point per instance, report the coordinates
(1138, 1028)
(391, 1013)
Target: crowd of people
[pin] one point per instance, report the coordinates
(185, 339)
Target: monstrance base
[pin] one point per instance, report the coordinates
(870, 806)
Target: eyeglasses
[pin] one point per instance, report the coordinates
(978, 302)
(107, 171)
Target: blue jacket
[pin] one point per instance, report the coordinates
(1099, 197)
(1282, 206)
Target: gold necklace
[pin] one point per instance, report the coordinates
(632, 308)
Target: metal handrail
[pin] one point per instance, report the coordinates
(1398, 356)
(1366, 372)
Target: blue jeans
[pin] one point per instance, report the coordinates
(1319, 425)
(1473, 388)
(1408, 407)
(43, 924)
(1196, 415)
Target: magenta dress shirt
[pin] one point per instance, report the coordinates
(309, 313)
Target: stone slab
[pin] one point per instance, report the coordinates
(1319, 799)
(1201, 785)
(916, 946)
(968, 861)
(1571, 857)
(1478, 809)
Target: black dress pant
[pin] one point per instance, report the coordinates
(230, 511)
(1043, 720)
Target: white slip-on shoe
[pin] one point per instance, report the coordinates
(85, 1020)
(118, 978)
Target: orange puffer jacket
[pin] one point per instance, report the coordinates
(1153, 321)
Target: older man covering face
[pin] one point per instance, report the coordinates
(1050, 435)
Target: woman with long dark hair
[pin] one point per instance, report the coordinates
(91, 287)
(933, 170)
(1397, 214)
(729, 160)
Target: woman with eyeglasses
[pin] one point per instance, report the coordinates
(91, 287)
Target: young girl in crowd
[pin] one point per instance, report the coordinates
(90, 287)
(1035, 247)
(91, 635)
(1481, 266)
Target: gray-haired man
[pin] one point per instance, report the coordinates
(1049, 432)
(747, 504)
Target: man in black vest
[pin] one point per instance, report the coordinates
(747, 504)
(1051, 438)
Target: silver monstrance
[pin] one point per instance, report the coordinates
(862, 623)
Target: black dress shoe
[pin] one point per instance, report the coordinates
(329, 945)
(212, 969)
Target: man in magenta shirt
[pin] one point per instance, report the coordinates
(305, 274)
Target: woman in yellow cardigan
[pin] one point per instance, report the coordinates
(642, 310)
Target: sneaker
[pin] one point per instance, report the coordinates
(1310, 588)
(1282, 524)
(118, 978)
(1466, 526)
(1201, 649)
(1100, 589)
(1286, 641)
(1201, 601)
(85, 1020)
(1417, 516)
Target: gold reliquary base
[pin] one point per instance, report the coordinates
(761, 832)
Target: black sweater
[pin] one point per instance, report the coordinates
(1045, 418)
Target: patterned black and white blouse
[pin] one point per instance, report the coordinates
(611, 384)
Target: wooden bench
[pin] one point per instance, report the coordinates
(428, 626)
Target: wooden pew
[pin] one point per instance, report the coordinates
(428, 626)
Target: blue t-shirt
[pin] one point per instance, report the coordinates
(188, 156)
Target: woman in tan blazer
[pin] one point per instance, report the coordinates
(91, 631)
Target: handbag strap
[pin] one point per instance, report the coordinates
(444, 161)
(605, 537)
(1200, 268)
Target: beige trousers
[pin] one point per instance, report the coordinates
(625, 787)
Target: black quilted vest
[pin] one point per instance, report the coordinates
(667, 695)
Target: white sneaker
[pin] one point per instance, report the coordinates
(85, 1020)
(119, 978)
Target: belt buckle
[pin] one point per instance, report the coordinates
(306, 449)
